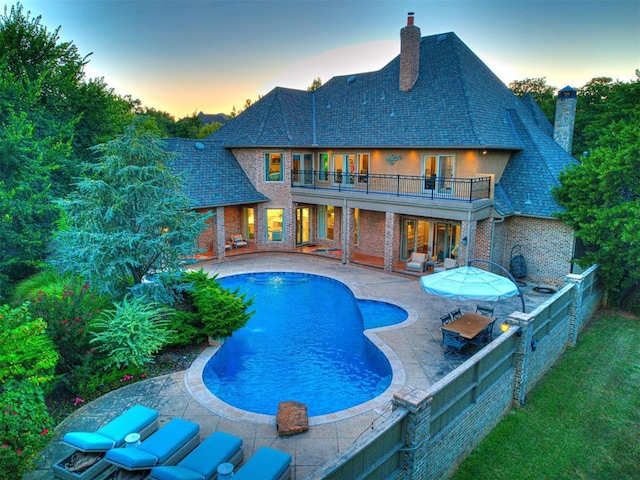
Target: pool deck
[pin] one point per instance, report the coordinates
(413, 349)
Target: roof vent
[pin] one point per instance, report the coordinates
(199, 146)
(351, 79)
(441, 38)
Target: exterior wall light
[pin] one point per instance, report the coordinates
(504, 327)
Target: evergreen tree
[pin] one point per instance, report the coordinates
(127, 218)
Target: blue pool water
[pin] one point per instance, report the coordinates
(304, 343)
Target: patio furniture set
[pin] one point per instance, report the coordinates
(132, 446)
(461, 331)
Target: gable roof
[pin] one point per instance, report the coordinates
(213, 177)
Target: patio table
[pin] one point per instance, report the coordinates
(469, 325)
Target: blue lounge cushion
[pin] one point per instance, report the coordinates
(175, 472)
(202, 462)
(265, 464)
(112, 434)
(88, 441)
(156, 449)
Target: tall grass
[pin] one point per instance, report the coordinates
(582, 421)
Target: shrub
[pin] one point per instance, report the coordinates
(208, 309)
(25, 426)
(26, 353)
(68, 313)
(130, 333)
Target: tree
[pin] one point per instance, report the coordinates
(49, 117)
(601, 198)
(127, 218)
(315, 85)
(27, 163)
(543, 94)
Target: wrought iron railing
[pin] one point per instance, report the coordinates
(461, 189)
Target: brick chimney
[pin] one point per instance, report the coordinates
(409, 54)
(565, 118)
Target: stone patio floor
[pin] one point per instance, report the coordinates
(412, 347)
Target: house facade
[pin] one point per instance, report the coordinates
(432, 153)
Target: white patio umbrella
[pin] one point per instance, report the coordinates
(470, 283)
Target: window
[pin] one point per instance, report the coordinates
(326, 220)
(273, 167)
(275, 224)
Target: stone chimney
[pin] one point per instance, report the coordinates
(565, 118)
(409, 55)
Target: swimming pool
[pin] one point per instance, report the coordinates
(304, 343)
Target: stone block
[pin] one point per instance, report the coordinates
(292, 418)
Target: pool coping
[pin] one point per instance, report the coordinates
(194, 383)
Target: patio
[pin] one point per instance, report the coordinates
(414, 347)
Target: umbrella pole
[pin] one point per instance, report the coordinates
(506, 272)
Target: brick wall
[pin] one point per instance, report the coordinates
(371, 242)
(547, 247)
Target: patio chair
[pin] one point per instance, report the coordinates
(455, 344)
(417, 261)
(455, 314)
(166, 446)
(446, 319)
(266, 464)
(448, 264)
(483, 310)
(485, 336)
(237, 241)
(203, 461)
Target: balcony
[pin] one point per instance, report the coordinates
(428, 188)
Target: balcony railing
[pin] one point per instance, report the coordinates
(460, 189)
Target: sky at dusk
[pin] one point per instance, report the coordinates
(186, 56)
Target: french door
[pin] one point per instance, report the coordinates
(303, 225)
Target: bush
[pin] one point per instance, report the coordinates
(208, 310)
(26, 353)
(25, 427)
(68, 312)
(131, 333)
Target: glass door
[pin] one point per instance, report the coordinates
(248, 223)
(414, 237)
(303, 226)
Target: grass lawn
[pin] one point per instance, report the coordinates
(582, 421)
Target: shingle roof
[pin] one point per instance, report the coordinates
(213, 176)
(532, 172)
(457, 102)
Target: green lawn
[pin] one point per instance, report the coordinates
(582, 421)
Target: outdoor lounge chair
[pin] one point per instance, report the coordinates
(138, 419)
(237, 241)
(202, 462)
(417, 262)
(266, 464)
(164, 447)
(87, 460)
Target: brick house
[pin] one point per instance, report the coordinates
(431, 153)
